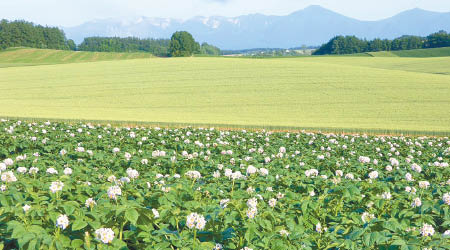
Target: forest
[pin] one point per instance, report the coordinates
(352, 44)
(26, 34)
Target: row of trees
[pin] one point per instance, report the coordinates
(26, 34)
(181, 44)
(352, 44)
(158, 47)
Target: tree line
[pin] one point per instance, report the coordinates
(181, 44)
(26, 34)
(352, 44)
(158, 47)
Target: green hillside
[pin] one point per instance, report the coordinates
(28, 56)
(435, 52)
(358, 93)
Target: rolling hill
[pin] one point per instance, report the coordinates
(29, 56)
(352, 93)
(434, 52)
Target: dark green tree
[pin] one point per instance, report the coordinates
(71, 45)
(351, 44)
(438, 39)
(183, 44)
(158, 47)
(208, 49)
(26, 34)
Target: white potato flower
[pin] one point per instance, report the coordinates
(251, 170)
(284, 232)
(90, 203)
(26, 208)
(52, 171)
(67, 171)
(22, 170)
(312, 173)
(446, 198)
(373, 175)
(263, 171)
(62, 221)
(253, 202)
(155, 213)
(8, 162)
(195, 220)
(319, 228)
(105, 235)
(427, 230)
(192, 174)
(132, 173)
(251, 212)
(33, 170)
(424, 184)
(409, 177)
(386, 195)
(224, 203)
(114, 192)
(366, 217)
(56, 186)
(364, 159)
(112, 178)
(272, 202)
(416, 202)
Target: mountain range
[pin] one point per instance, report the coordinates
(311, 26)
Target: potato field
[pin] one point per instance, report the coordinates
(71, 186)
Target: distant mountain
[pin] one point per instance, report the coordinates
(313, 25)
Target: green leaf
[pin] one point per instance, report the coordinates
(77, 243)
(79, 224)
(206, 245)
(131, 215)
(25, 239)
(69, 209)
(32, 244)
(18, 231)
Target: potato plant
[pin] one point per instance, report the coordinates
(72, 186)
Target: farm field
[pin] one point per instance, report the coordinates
(89, 186)
(434, 52)
(29, 56)
(352, 93)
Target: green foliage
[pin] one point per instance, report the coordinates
(158, 47)
(438, 39)
(182, 44)
(351, 44)
(208, 49)
(310, 190)
(26, 34)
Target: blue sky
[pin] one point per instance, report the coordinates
(74, 12)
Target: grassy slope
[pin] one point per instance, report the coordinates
(435, 52)
(433, 65)
(341, 92)
(28, 56)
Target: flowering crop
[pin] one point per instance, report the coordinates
(89, 186)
